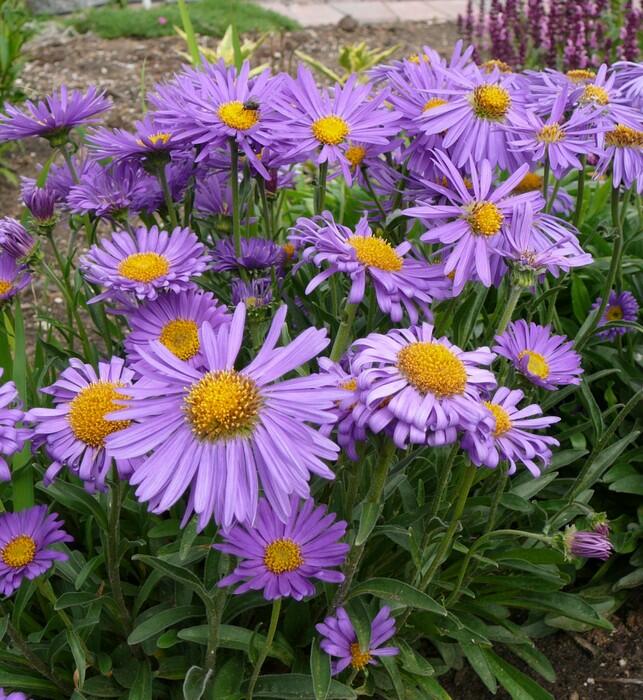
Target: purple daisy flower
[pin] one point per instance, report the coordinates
(280, 558)
(339, 639)
(476, 221)
(13, 276)
(400, 281)
(623, 151)
(217, 103)
(5, 695)
(54, 116)
(546, 360)
(12, 437)
(543, 243)
(348, 430)
(427, 388)
(15, 240)
(588, 545)
(41, 203)
(620, 307)
(213, 194)
(511, 437)
(317, 121)
(174, 319)
(220, 433)
(145, 262)
(74, 431)
(558, 140)
(629, 79)
(148, 143)
(60, 179)
(256, 254)
(111, 192)
(26, 551)
(255, 294)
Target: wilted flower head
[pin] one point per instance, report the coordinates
(26, 551)
(588, 545)
(54, 116)
(620, 307)
(15, 240)
(339, 639)
(280, 558)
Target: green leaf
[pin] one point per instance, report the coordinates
(632, 580)
(28, 684)
(161, 621)
(193, 46)
(175, 572)
(434, 691)
(142, 688)
(628, 484)
(412, 662)
(77, 499)
(367, 521)
(580, 298)
(399, 592)
(515, 682)
(478, 661)
(296, 686)
(390, 664)
(101, 687)
(195, 683)
(320, 671)
(239, 638)
(78, 652)
(594, 411)
(535, 660)
(187, 538)
(80, 599)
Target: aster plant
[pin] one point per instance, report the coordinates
(313, 377)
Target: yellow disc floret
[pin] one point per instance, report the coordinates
(485, 219)
(580, 75)
(491, 65)
(433, 102)
(503, 422)
(331, 130)
(222, 404)
(19, 551)
(376, 252)
(614, 313)
(349, 384)
(432, 368)
(144, 267)
(491, 102)
(181, 337)
(88, 410)
(359, 658)
(160, 137)
(551, 133)
(624, 137)
(355, 155)
(5, 287)
(536, 364)
(236, 116)
(595, 94)
(529, 183)
(282, 556)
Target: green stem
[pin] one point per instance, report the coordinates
(514, 295)
(89, 229)
(550, 201)
(546, 176)
(234, 186)
(580, 193)
(344, 333)
(266, 209)
(112, 556)
(274, 618)
(214, 613)
(380, 473)
(443, 480)
(320, 191)
(588, 328)
(30, 657)
(161, 173)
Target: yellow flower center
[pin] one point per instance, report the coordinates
(624, 137)
(491, 102)
(330, 130)
(5, 286)
(489, 66)
(160, 137)
(19, 551)
(614, 313)
(485, 219)
(359, 658)
(181, 337)
(222, 405)
(282, 556)
(536, 365)
(503, 422)
(595, 94)
(376, 252)
(355, 155)
(551, 133)
(432, 368)
(289, 250)
(529, 183)
(580, 76)
(349, 385)
(144, 267)
(433, 102)
(236, 116)
(88, 410)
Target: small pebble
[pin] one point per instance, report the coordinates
(622, 663)
(590, 681)
(574, 696)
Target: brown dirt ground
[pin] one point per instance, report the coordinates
(596, 666)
